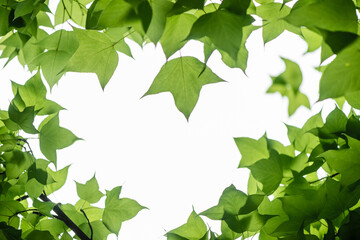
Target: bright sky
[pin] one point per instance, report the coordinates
(164, 162)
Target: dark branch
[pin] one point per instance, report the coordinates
(22, 198)
(331, 176)
(91, 229)
(63, 217)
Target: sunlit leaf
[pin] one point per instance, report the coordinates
(343, 67)
(118, 210)
(336, 15)
(95, 54)
(176, 29)
(54, 137)
(194, 228)
(89, 191)
(181, 77)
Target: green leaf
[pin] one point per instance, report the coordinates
(110, 13)
(251, 150)
(343, 67)
(160, 8)
(223, 28)
(53, 137)
(34, 188)
(96, 54)
(268, 172)
(9, 232)
(59, 179)
(251, 222)
(176, 29)
(235, 6)
(302, 139)
(350, 230)
(181, 78)
(181, 6)
(89, 191)
(230, 203)
(118, 210)
(345, 161)
(24, 119)
(336, 15)
(353, 98)
(273, 15)
(61, 46)
(4, 21)
(9, 209)
(99, 230)
(43, 235)
(313, 39)
(242, 56)
(194, 228)
(16, 163)
(44, 207)
(71, 9)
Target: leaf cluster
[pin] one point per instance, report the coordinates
(286, 199)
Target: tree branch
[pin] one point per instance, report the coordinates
(331, 176)
(91, 229)
(63, 217)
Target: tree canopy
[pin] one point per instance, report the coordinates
(285, 199)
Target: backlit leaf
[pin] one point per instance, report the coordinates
(223, 28)
(181, 78)
(176, 29)
(54, 137)
(251, 150)
(89, 191)
(118, 210)
(336, 15)
(343, 67)
(194, 228)
(95, 54)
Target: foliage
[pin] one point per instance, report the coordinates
(285, 199)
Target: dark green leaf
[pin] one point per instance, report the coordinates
(181, 6)
(223, 28)
(235, 6)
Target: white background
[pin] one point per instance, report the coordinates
(146, 145)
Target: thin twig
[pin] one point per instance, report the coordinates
(87, 219)
(331, 176)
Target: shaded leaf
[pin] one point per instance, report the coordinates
(223, 28)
